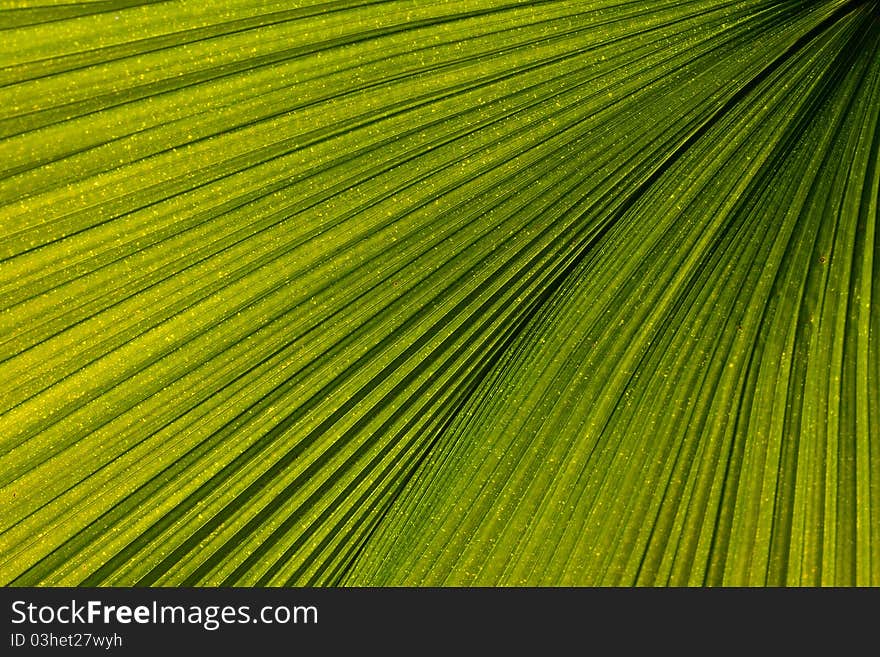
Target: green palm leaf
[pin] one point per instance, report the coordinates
(464, 292)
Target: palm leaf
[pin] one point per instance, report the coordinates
(469, 292)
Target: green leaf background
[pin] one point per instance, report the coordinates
(469, 292)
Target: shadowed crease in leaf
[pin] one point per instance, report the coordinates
(467, 292)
